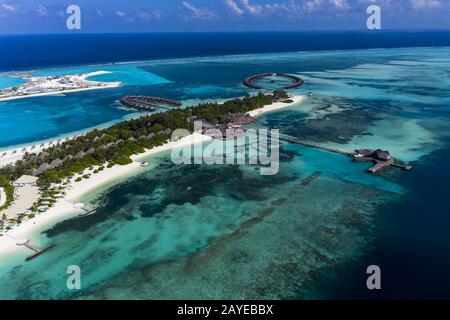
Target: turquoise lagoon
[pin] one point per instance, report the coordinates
(8, 82)
(226, 232)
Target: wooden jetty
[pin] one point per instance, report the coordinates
(290, 139)
(87, 212)
(148, 103)
(82, 206)
(37, 251)
(381, 159)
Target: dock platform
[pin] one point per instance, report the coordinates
(37, 251)
(382, 159)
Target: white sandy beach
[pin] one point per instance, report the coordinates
(82, 78)
(113, 85)
(64, 208)
(10, 156)
(276, 106)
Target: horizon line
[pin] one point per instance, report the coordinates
(234, 32)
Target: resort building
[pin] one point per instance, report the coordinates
(25, 181)
(240, 119)
(381, 158)
(26, 192)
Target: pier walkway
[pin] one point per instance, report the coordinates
(26, 243)
(290, 139)
(148, 103)
(87, 211)
(379, 163)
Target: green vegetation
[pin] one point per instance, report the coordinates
(9, 191)
(122, 161)
(116, 144)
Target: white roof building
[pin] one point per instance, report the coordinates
(26, 180)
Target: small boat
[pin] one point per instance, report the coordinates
(144, 164)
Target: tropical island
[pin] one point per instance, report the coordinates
(37, 182)
(48, 85)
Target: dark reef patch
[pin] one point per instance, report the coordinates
(170, 184)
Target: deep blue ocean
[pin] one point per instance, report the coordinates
(320, 236)
(67, 49)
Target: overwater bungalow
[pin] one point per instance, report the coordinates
(381, 158)
(147, 103)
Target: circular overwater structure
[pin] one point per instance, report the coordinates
(273, 81)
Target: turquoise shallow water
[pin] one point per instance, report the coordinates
(177, 225)
(227, 232)
(360, 79)
(128, 74)
(8, 82)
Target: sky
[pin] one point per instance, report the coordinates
(113, 16)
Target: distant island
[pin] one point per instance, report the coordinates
(48, 85)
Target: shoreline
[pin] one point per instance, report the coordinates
(114, 85)
(277, 106)
(9, 158)
(82, 77)
(65, 209)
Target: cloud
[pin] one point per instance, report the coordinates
(8, 7)
(198, 13)
(425, 4)
(252, 9)
(121, 13)
(340, 4)
(42, 11)
(233, 6)
(124, 16)
(313, 5)
(150, 15)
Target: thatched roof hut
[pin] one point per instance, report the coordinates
(382, 155)
(41, 169)
(79, 155)
(240, 119)
(43, 155)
